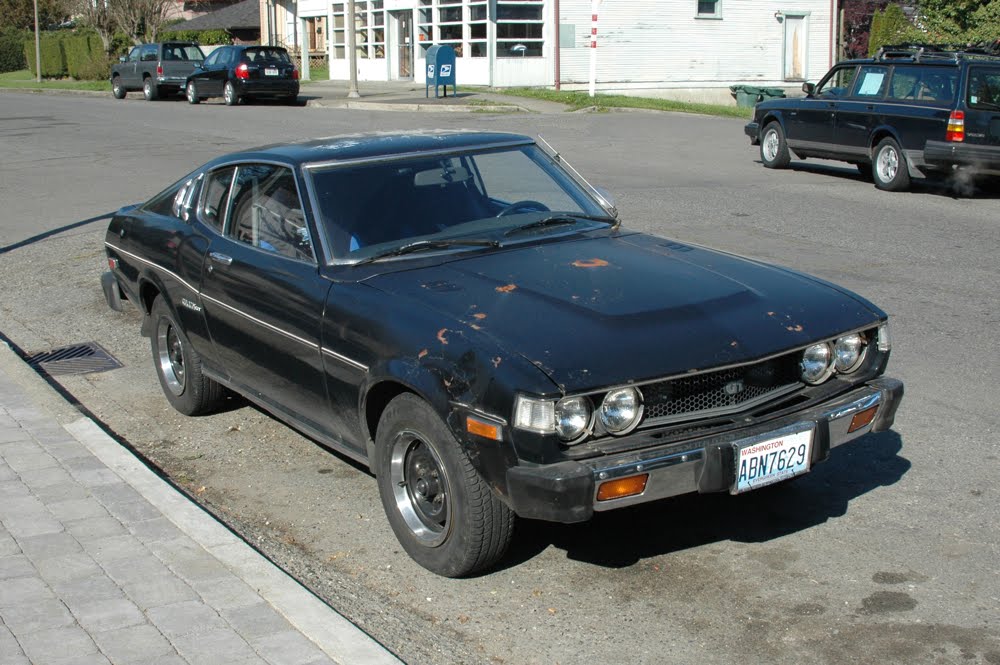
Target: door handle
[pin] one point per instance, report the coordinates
(221, 258)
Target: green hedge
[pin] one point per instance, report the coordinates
(53, 60)
(12, 49)
(77, 54)
(200, 36)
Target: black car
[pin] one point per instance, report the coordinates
(911, 111)
(464, 316)
(238, 73)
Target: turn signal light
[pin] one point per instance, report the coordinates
(242, 71)
(862, 418)
(622, 487)
(483, 429)
(956, 127)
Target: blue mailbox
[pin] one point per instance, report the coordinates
(440, 69)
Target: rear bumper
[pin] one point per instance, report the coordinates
(567, 491)
(266, 88)
(979, 157)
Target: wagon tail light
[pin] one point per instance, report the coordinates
(956, 127)
(242, 71)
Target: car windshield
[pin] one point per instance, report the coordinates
(475, 199)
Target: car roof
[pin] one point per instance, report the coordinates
(355, 147)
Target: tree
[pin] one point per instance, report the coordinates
(959, 21)
(890, 26)
(141, 20)
(857, 25)
(20, 14)
(95, 14)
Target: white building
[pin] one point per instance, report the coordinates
(690, 49)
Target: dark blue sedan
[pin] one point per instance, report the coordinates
(471, 320)
(238, 73)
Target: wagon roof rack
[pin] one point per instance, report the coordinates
(916, 52)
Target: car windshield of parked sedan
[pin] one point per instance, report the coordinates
(449, 202)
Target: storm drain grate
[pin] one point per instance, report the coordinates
(86, 358)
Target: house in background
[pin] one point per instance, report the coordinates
(241, 19)
(684, 49)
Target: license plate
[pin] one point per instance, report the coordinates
(762, 462)
(271, 71)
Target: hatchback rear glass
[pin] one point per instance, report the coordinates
(267, 55)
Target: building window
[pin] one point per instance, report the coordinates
(461, 24)
(369, 29)
(520, 29)
(709, 9)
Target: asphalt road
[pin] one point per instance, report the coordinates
(888, 553)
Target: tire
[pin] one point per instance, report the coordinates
(178, 366)
(149, 90)
(773, 148)
(889, 169)
(443, 513)
(192, 93)
(117, 89)
(229, 95)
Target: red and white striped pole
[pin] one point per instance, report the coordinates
(593, 46)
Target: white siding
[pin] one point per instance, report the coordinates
(662, 42)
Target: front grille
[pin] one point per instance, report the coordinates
(716, 393)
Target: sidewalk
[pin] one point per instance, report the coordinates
(101, 561)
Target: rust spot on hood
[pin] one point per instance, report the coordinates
(590, 263)
(422, 353)
(796, 328)
(479, 315)
(441, 337)
(506, 288)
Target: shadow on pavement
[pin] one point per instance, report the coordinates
(54, 232)
(622, 538)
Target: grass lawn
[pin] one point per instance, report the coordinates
(25, 79)
(580, 100)
(317, 74)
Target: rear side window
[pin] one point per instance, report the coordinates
(872, 80)
(928, 84)
(214, 197)
(984, 88)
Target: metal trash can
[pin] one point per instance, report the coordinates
(746, 95)
(440, 69)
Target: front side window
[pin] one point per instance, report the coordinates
(213, 58)
(838, 84)
(133, 55)
(267, 212)
(984, 88)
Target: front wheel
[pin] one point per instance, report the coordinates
(149, 90)
(229, 94)
(117, 89)
(773, 147)
(443, 513)
(889, 166)
(192, 93)
(178, 366)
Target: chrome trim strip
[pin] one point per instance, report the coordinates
(344, 359)
(152, 265)
(264, 324)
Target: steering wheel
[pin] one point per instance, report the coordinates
(527, 205)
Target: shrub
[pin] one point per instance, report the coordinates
(200, 36)
(53, 60)
(12, 56)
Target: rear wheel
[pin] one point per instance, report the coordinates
(229, 94)
(773, 148)
(117, 89)
(178, 366)
(192, 93)
(149, 90)
(443, 513)
(889, 169)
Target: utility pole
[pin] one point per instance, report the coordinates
(352, 58)
(38, 48)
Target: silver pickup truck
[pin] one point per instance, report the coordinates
(156, 69)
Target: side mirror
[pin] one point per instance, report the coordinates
(122, 59)
(809, 89)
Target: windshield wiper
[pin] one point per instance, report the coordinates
(424, 245)
(558, 219)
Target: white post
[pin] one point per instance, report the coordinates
(304, 48)
(593, 46)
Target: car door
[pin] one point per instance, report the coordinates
(809, 126)
(207, 80)
(127, 70)
(263, 293)
(861, 112)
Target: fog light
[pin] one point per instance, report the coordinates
(862, 419)
(622, 487)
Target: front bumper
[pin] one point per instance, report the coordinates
(567, 491)
(752, 129)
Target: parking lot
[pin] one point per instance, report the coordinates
(887, 553)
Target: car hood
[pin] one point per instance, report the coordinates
(604, 311)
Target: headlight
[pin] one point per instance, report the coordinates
(816, 364)
(621, 409)
(572, 417)
(848, 352)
